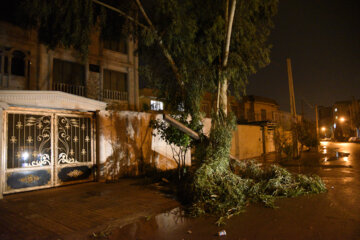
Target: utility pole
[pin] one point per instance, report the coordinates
(292, 107)
(317, 121)
(302, 110)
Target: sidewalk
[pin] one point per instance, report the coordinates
(75, 212)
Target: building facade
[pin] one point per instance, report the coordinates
(249, 109)
(50, 104)
(109, 73)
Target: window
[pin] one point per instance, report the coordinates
(5, 64)
(263, 114)
(181, 107)
(116, 81)
(275, 116)
(117, 46)
(250, 115)
(18, 63)
(68, 72)
(94, 68)
(156, 105)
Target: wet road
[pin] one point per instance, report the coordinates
(331, 215)
(341, 153)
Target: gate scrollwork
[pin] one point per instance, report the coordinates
(28, 140)
(74, 134)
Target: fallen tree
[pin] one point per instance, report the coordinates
(187, 48)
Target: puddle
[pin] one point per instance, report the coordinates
(330, 155)
(172, 225)
(342, 154)
(155, 227)
(335, 156)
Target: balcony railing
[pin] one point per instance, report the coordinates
(69, 88)
(115, 95)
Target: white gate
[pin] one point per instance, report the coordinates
(46, 149)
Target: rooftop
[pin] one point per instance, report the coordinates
(254, 98)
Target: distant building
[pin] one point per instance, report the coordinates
(249, 109)
(256, 108)
(346, 119)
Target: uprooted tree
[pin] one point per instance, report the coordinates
(188, 48)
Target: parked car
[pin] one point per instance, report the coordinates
(354, 139)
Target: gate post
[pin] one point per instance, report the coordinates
(97, 145)
(3, 106)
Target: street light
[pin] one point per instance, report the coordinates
(342, 119)
(323, 129)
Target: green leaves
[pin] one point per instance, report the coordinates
(306, 131)
(251, 184)
(61, 23)
(172, 135)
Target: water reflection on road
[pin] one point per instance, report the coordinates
(346, 154)
(331, 215)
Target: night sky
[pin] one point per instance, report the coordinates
(322, 38)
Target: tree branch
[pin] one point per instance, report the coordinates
(121, 13)
(160, 42)
(223, 83)
(228, 35)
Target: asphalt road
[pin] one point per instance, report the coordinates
(331, 215)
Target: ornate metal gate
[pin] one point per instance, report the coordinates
(47, 149)
(73, 150)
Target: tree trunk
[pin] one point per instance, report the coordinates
(223, 96)
(223, 81)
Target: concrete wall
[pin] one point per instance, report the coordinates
(126, 145)
(247, 142)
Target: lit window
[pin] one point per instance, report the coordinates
(181, 107)
(335, 110)
(156, 105)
